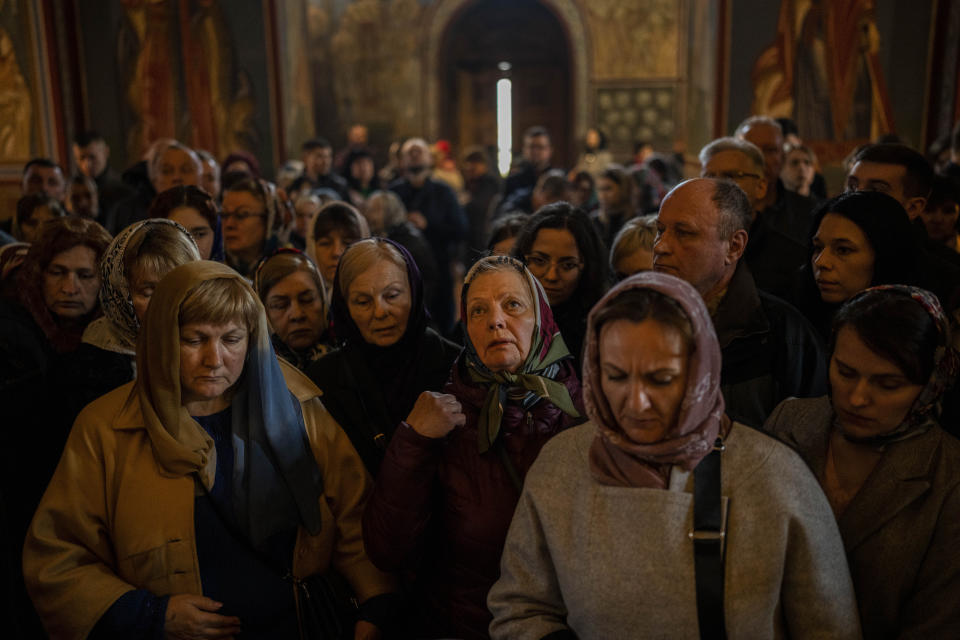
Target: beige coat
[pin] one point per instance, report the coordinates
(112, 520)
(617, 562)
(901, 531)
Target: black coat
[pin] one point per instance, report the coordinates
(357, 401)
(770, 351)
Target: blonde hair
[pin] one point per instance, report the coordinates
(158, 248)
(220, 301)
(362, 255)
(637, 233)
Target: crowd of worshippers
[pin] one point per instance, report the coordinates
(416, 401)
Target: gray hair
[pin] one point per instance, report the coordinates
(394, 213)
(734, 208)
(739, 145)
(160, 147)
(755, 120)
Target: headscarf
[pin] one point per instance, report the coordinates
(615, 459)
(118, 328)
(393, 373)
(276, 224)
(346, 330)
(536, 377)
(925, 410)
(276, 481)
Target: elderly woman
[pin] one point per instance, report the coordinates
(56, 298)
(168, 164)
(195, 210)
(194, 501)
(453, 472)
(632, 249)
(562, 249)
(389, 354)
(130, 269)
(890, 472)
(336, 226)
(660, 518)
(291, 289)
(859, 239)
(253, 216)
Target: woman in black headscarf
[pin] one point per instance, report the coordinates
(389, 354)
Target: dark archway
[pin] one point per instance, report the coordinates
(529, 36)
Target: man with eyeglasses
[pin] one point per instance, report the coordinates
(774, 257)
(785, 210)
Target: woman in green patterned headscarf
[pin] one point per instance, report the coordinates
(452, 474)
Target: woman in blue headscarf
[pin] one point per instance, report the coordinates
(195, 498)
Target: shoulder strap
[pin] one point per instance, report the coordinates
(708, 538)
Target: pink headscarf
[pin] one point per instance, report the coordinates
(614, 458)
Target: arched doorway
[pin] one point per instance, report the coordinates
(529, 36)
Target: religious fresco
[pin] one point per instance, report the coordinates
(638, 39)
(180, 77)
(823, 71)
(20, 87)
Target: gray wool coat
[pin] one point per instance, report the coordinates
(617, 562)
(901, 531)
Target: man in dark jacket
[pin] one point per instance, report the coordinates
(92, 155)
(317, 156)
(787, 211)
(433, 208)
(770, 352)
(774, 257)
(536, 154)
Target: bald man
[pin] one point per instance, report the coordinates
(770, 352)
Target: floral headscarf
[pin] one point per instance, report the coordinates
(614, 458)
(946, 365)
(118, 328)
(276, 481)
(535, 379)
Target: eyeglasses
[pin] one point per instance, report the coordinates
(731, 175)
(539, 265)
(240, 216)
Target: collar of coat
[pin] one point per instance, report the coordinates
(740, 313)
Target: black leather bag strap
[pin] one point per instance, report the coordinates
(708, 537)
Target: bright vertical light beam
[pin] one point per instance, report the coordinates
(504, 125)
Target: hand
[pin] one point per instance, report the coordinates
(417, 219)
(191, 617)
(436, 414)
(366, 631)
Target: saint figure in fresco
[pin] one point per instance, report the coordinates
(823, 71)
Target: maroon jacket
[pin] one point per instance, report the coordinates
(440, 510)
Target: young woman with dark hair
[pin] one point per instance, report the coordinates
(562, 249)
(890, 472)
(858, 240)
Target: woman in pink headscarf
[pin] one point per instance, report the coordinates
(659, 517)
